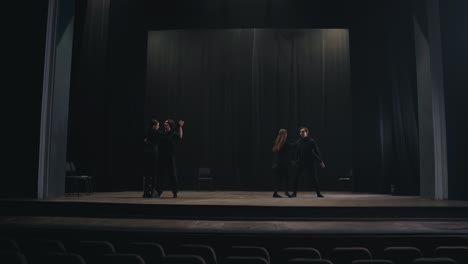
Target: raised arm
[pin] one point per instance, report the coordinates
(181, 131)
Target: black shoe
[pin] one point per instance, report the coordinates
(294, 194)
(320, 195)
(288, 195)
(174, 195)
(275, 195)
(146, 195)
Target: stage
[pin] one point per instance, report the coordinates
(236, 211)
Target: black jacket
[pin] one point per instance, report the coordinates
(307, 152)
(167, 142)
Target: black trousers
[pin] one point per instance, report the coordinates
(281, 178)
(149, 170)
(309, 171)
(167, 169)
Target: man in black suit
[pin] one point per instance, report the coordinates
(307, 154)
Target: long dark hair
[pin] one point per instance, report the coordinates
(171, 123)
(280, 139)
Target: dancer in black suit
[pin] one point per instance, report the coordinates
(307, 155)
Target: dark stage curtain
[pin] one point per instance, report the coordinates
(87, 128)
(404, 100)
(385, 102)
(236, 88)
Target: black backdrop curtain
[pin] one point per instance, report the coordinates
(403, 163)
(236, 87)
(385, 125)
(107, 88)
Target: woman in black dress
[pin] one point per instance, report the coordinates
(150, 158)
(282, 151)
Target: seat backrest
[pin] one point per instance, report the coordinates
(434, 261)
(36, 246)
(308, 261)
(346, 255)
(299, 253)
(204, 171)
(250, 251)
(120, 259)
(457, 253)
(68, 169)
(204, 251)
(12, 258)
(73, 168)
(8, 245)
(402, 255)
(374, 261)
(93, 248)
(152, 253)
(244, 260)
(59, 258)
(183, 259)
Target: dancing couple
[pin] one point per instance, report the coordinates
(303, 155)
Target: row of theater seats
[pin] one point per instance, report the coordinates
(38, 251)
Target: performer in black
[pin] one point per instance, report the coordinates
(307, 155)
(282, 156)
(167, 159)
(150, 159)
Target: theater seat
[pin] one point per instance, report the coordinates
(457, 253)
(402, 255)
(346, 255)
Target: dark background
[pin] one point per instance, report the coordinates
(236, 88)
(108, 83)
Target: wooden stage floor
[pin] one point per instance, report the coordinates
(252, 198)
(239, 212)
